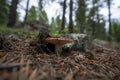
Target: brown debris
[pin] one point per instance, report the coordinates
(97, 64)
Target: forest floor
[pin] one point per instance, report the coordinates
(17, 62)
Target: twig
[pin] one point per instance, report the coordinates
(10, 67)
(3, 59)
(11, 60)
(103, 47)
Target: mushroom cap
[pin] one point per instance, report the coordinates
(58, 41)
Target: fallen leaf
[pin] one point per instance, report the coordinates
(2, 54)
(62, 64)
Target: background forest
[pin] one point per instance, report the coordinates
(77, 16)
(34, 42)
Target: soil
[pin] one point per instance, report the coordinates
(20, 61)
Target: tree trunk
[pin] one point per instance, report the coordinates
(98, 23)
(81, 15)
(12, 18)
(109, 20)
(93, 30)
(26, 12)
(63, 16)
(70, 17)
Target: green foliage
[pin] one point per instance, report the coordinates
(54, 31)
(81, 11)
(116, 30)
(18, 31)
(95, 21)
(43, 18)
(32, 14)
(56, 23)
(96, 29)
(81, 14)
(4, 11)
(76, 29)
(55, 27)
(55, 34)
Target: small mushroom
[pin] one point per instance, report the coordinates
(58, 42)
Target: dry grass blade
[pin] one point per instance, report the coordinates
(34, 75)
(3, 59)
(69, 76)
(13, 59)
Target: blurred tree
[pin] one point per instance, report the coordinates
(70, 17)
(43, 18)
(95, 20)
(26, 12)
(4, 11)
(109, 20)
(32, 14)
(116, 30)
(55, 26)
(81, 14)
(12, 18)
(63, 16)
(91, 19)
(56, 22)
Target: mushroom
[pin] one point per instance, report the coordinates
(58, 42)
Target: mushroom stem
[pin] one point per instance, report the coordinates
(58, 42)
(58, 50)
